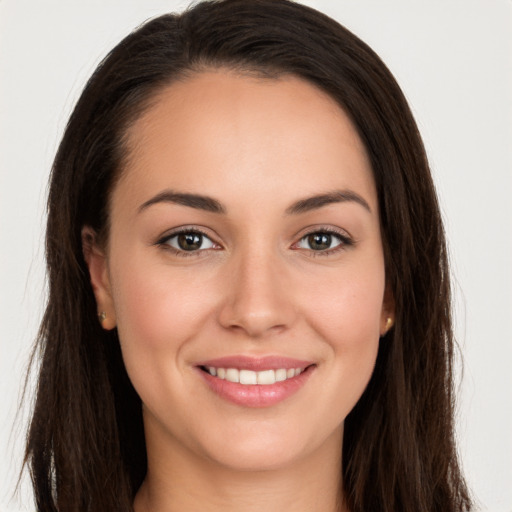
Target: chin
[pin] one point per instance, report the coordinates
(259, 458)
(264, 448)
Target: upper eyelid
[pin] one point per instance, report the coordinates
(186, 229)
(342, 233)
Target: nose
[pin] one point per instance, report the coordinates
(258, 298)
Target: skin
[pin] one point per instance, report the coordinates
(255, 287)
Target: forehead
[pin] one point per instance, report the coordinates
(218, 130)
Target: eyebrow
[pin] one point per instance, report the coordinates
(209, 204)
(338, 196)
(191, 200)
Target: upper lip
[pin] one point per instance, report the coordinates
(256, 363)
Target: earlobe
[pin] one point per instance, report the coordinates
(387, 326)
(388, 312)
(96, 261)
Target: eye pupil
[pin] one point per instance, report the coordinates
(319, 241)
(190, 241)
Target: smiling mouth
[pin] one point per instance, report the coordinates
(256, 382)
(250, 377)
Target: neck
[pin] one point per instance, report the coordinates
(180, 480)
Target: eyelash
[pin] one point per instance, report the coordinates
(164, 242)
(345, 241)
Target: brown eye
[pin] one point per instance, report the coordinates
(189, 241)
(319, 241)
(322, 241)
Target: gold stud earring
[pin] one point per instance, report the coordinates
(389, 323)
(102, 315)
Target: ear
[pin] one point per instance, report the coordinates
(96, 261)
(387, 317)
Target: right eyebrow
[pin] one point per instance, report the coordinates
(191, 200)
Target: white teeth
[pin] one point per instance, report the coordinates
(233, 375)
(266, 377)
(281, 374)
(249, 377)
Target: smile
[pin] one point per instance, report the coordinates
(256, 382)
(250, 377)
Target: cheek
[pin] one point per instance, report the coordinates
(347, 317)
(350, 309)
(157, 311)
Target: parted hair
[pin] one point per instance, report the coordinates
(85, 446)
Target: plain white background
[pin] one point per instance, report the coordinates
(454, 61)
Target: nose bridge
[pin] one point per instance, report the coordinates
(258, 300)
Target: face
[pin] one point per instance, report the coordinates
(244, 270)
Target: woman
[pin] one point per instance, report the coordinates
(249, 298)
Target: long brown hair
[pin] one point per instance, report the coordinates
(85, 448)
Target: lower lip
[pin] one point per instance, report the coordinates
(254, 395)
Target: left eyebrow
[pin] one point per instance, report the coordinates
(314, 202)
